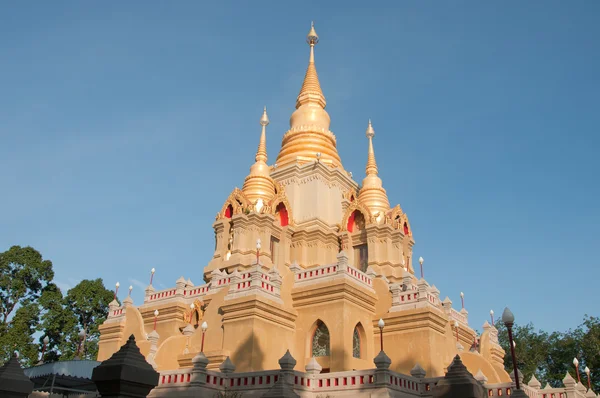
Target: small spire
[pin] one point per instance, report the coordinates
(371, 168)
(372, 193)
(259, 184)
(261, 153)
(311, 88)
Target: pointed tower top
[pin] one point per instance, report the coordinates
(309, 137)
(311, 88)
(371, 163)
(259, 184)
(261, 152)
(312, 38)
(264, 120)
(372, 193)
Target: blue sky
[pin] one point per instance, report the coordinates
(124, 127)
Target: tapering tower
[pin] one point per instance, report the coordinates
(259, 187)
(372, 193)
(309, 137)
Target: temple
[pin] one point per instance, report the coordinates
(310, 264)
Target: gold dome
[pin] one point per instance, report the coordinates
(372, 193)
(259, 184)
(309, 124)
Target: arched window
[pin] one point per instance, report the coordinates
(405, 229)
(320, 341)
(356, 220)
(283, 214)
(356, 343)
(229, 211)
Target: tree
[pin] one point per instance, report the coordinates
(23, 275)
(83, 308)
(550, 356)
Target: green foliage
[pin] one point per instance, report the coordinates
(23, 275)
(31, 303)
(550, 355)
(88, 303)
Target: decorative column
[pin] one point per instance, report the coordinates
(13, 382)
(126, 374)
(458, 382)
(235, 279)
(188, 331)
(396, 289)
(382, 374)
(180, 286)
(153, 339)
(276, 281)
(534, 383)
(148, 292)
(199, 363)
(423, 287)
(447, 306)
(342, 263)
(570, 384)
(227, 366)
(284, 387)
(418, 372)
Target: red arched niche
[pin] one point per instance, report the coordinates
(356, 219)
(229, 211)
(283, 214)
(405, 229)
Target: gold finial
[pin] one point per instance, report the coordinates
(370, 131)
(264, 120)
(372, 193)
(312, 38)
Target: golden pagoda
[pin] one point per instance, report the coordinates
(305, 261)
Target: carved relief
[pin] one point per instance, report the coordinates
(356, 205)
(194, 315)
(281, 198)
(237, 200)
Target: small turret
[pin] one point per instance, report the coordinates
(259, 185)
(372, 193)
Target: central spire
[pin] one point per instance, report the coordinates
(311, 89)
(309, 138)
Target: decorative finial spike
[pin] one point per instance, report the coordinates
(264, 120)
(312, 38)
(371, 163)
(370, 130)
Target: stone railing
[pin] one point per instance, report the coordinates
(341, 268)
(458, 316)
(408, 295)
(255, 281)
(162, 294)
(312, 383)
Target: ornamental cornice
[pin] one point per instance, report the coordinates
(336, 288)
(292, 173)
(258, 306)
(416, 319)
(310, 129)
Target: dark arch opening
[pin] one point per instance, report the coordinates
(283, 214)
